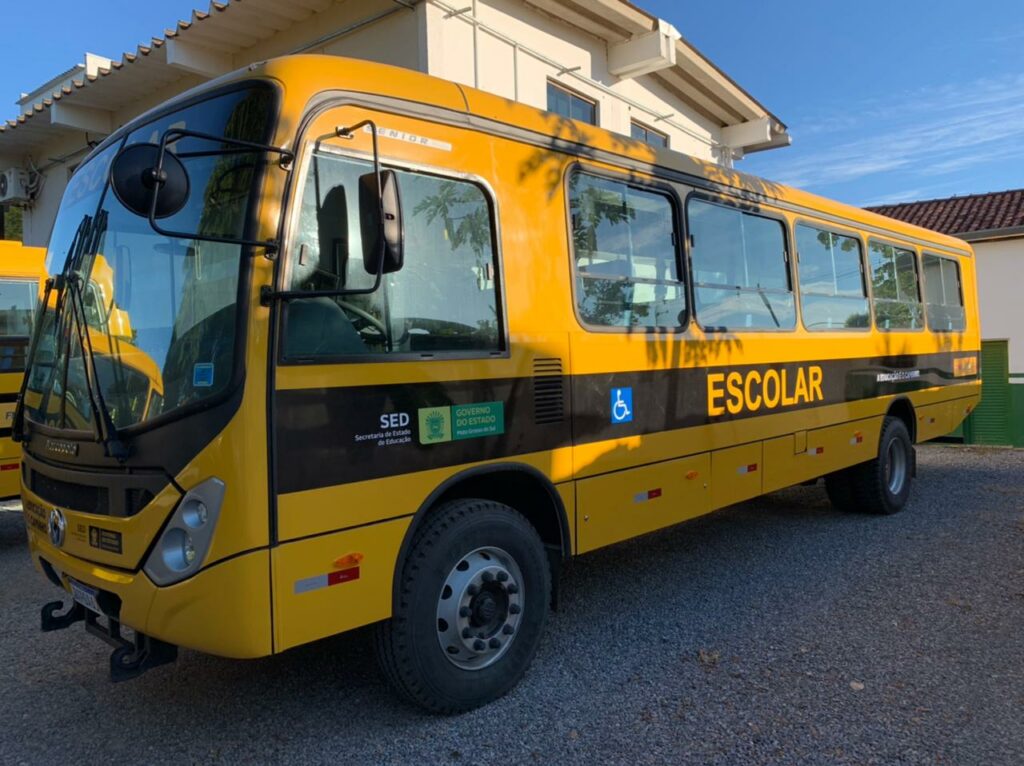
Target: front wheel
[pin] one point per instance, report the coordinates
(472, 603)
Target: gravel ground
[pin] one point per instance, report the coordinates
(778, 631)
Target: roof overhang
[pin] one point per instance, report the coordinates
(987, 235)
(206, 44)
(692, 77)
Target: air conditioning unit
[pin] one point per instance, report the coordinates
(13, 186)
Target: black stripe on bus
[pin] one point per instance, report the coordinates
(326, 436)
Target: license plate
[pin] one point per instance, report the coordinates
(84, 595)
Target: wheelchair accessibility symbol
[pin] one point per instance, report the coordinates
(622, 405)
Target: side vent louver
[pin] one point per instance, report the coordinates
(548, 391)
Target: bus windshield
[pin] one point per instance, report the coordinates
(157, 314)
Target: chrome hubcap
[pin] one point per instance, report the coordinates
(895, 467)
(479, 608)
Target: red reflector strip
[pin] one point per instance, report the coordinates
(326, 580)
(9, 467)
(643, 497)
(747, 468)
(817, 451)
(857, 439)
(344, 575)
(653, 493)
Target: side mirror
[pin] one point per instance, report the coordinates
(137, 180)
(381, 223)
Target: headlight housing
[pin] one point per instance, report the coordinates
(185, 541)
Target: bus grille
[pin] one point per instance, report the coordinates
(72, 497)
(548, 391)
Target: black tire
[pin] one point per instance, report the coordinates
(839, 488)
(873, 488)
(408, 645)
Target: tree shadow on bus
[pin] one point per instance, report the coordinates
(564, 139)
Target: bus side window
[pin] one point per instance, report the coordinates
(443, 300)
(944, 298)
(626, 256)
(17, 304)
(896, 293)
(740, 272)
(832, 291)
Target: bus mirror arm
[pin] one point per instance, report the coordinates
(153, 182)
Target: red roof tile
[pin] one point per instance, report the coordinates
(962, 215)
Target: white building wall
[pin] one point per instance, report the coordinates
(482, 56)
(1000, 265)
(452, 48)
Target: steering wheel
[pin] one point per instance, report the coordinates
(364, 319)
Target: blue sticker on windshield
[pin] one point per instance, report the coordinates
(202, 375)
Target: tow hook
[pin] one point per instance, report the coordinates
(130, 658)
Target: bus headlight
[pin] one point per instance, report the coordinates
(182, 548)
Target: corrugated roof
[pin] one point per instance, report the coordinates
(962, 215)
(140, 72)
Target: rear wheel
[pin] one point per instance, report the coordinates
(882, 485)
(472, 602)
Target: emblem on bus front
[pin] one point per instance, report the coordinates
(62, 447)
(56, 527)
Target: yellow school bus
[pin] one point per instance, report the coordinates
(21, 270)
(418, 346)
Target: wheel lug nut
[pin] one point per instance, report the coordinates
(464, 611)
(502, 576)
(466, 633)
(512, 588)
(494, 643)
(479, 645)
(508, 630)
(473, 589)
(487, 576)
(514, 609)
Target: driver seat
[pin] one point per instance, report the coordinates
(319, 326)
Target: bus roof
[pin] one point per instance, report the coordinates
(17, 260)
(308, 75)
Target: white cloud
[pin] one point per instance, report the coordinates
(936, 131)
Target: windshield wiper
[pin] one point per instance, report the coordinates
(108, 434)
(78, 243)
(70, 294)
(18, 421)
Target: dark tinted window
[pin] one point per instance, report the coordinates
(832, 294)
(740, 270)
(648, 136)
(895, 288)
(568, 104)
(626, 258)
(942, 293)
(17, 306)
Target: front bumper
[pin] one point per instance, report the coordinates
(224, 609)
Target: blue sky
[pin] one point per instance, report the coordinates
(886, 101)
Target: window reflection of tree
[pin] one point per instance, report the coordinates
(205, 321)
(466, 219)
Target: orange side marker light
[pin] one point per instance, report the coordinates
(348, 560)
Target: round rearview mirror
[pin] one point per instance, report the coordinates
(135, 179)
